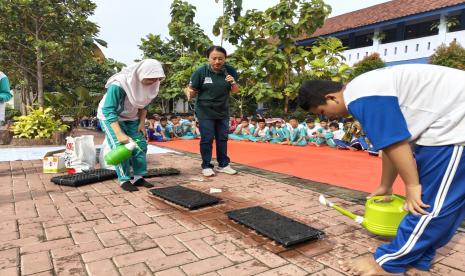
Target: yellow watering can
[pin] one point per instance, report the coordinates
(382, 214)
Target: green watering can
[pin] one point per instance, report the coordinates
(382, 215)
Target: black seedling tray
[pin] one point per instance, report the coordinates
(185, 197)
(277, 227)
(159, 172)
(84, 178)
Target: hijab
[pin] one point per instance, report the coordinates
(130, 80)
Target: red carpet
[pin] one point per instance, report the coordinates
(353, 170)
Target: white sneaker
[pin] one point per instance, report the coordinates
(227, 170)
(208, 172)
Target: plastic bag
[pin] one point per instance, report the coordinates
(104, 149)
(80, 153)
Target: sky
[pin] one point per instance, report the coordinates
(123, 23)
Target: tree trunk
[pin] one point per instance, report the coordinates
(286, 104)
(40, 81)
(24, 92)
(40, 76)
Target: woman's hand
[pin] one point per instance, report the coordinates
(413, 202)
(142, 130)
(122, 138)
(190, 92)
(230, 79)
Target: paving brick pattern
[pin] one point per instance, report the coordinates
(99, 229)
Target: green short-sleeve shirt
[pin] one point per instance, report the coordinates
(5, 94)
(212, 100)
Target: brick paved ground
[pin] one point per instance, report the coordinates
(98, 229)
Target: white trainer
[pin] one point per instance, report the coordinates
(227, 170)
(208, 172)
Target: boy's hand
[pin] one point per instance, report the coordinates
(381, 191)
(413, 202)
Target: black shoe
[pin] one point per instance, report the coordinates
(127, 186)
(143, 182)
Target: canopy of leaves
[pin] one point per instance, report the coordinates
(181, 54)
(231, 12)
(187, 34)
(49, 33)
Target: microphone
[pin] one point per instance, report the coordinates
(223, 69)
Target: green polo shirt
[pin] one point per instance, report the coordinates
(5, 94)
(212, 100)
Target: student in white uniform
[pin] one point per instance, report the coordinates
(416, 105)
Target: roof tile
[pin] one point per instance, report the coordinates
(379, 13)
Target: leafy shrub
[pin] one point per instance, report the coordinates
(39, 123)
(450, 56)
(368, 63)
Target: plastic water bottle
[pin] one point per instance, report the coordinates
(120, 153)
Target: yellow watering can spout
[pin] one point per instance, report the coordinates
(341, 210)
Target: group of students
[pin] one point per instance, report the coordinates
(162, 129)
(345, 134)
(340, 134)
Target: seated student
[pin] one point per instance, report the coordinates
(164, 129)
(242, 132)
(176, 127)
(253, 125)
(262, 132)
(187, 126)
(354, 138)
(269, 123)
(336, 133)
(233, 123)
(150, 128)
(322, 134)
(196, 130)
(279, 133)
(311, 129)
(296, 136)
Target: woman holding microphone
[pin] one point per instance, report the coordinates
(211, 85)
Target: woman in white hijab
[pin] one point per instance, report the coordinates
(122, 116)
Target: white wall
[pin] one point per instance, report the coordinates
(406, 49)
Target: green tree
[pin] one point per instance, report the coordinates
(42, 38)
(327, 61)
(288, 20)
(368, 63)
(271, 63)
(181, 54)
(187, 34)
(450, 56)
(231, 12)
(83, 99)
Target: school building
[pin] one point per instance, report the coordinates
(400, 31)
